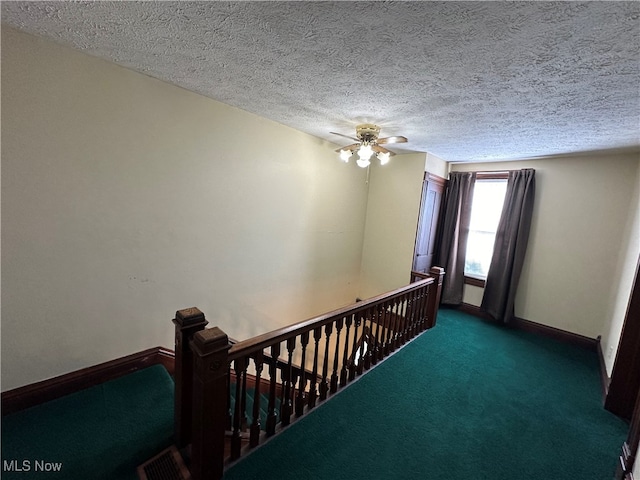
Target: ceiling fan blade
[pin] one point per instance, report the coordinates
(345, 136)
(379, 149)
(396, 139)
(353, 146)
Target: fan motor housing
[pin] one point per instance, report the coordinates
(367, 132)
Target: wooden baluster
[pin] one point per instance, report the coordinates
(380, 333)
(209, 404)
(272, 416)
(254, 438)
(383, 327)
(324, 384)
(286, 408)
(354, 348)
(345, 356)
(403, 319)
(388, 308)
(295, 374)
(397, 325)
(434, 298)
(187, 322)
(420, 314)
(416, 313)
(420, 310)
(240, 367)
(393, 325)
(229, 420)
(363, 355)
(412, 315)
(313, 392)
(409, 314)
(424, 311)
(243, 404)
(284, 386)
(334, 375)
(304, 340)
(375, 354)
(370, 341)
(384, 330)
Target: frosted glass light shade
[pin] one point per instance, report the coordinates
(365, 152)
(363, 163)
(384, 158)
(345, 155)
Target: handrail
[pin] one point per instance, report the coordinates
(340, 345)
(265, 340)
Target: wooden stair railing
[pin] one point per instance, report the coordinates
(331, 354)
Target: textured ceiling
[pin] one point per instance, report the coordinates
(467, 81)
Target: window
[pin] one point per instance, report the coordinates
(486, 208)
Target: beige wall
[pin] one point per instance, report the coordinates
(581, 241)
(125, 198)
(624, 273)
(436, 166)
(392, 219)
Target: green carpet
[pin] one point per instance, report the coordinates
(103, 432)
(466, 400)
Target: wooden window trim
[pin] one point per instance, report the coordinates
(492, 175)
(476, 282)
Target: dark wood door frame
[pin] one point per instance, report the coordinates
(623, 397)
(630, 446)
(433, 188)
(625, 377)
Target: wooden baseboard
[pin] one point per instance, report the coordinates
(46, 390)
(556, 333)
(473, 310)
(537, 328)
(604, 377)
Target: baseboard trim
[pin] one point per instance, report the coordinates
(473, 310)
(605, 380)
(537, 328)
(46, 390)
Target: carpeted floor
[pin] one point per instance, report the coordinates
(101, 433)
(466, 400)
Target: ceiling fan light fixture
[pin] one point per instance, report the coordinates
(345, 155)
(363, 163)
(384, 158)
(367, 145)
(365, 152)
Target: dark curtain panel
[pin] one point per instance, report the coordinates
(510, 245)
(455, 231)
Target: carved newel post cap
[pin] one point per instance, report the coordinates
(210, 340)
(189, 317)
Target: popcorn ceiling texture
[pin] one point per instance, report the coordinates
(466, 81)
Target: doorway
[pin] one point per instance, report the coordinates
(433, 188)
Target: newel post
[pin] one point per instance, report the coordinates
(187, 322)
(434, 295)
(210, 348)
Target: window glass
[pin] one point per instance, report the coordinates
(488, 197)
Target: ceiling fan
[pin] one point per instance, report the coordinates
(367, 144)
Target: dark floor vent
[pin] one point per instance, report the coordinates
(167, 465)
